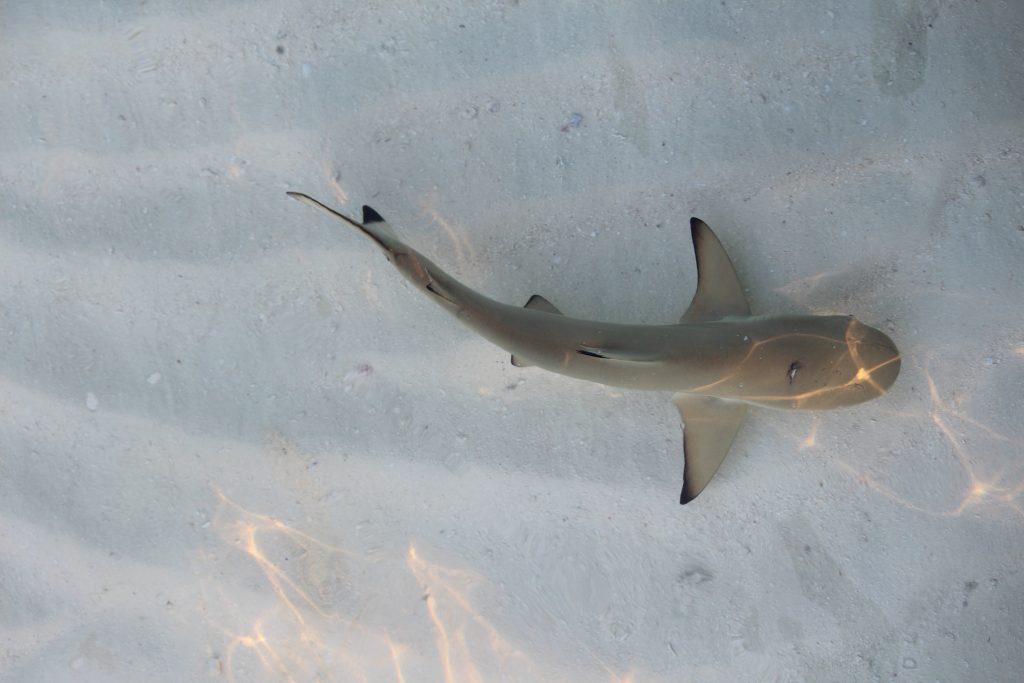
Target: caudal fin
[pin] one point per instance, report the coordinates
(410, 263)
(373, 225)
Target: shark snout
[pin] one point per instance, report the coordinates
(876, 356)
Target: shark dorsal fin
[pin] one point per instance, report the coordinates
(374, 221)
(370, 215)
(719, 293)
(710, 425)
(373, 225)
(536, 303)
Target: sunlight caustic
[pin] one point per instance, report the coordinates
(1000, 488)
(309, 634)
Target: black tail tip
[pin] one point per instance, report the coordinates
(371, 216)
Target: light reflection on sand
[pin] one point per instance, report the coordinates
(309, 634)
(464, 255)
(989, 486)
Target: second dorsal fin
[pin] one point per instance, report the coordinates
(719, 293)
(536, 303)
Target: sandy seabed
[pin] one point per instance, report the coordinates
(236, 446)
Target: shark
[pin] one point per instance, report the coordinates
(717, 360)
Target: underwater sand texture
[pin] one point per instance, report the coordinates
(235, 446)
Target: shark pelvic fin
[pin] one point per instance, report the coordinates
(539, 303)
(536, 303)
(710, 425)
(719, 293)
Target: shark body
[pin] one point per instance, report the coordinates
(718, 360)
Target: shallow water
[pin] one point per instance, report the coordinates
(237, 446)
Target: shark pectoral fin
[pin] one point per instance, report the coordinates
(710, 425)
(719, 293)
(539, 303)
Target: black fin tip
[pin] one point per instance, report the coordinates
(371, 216)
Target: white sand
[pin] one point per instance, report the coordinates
(236, 446)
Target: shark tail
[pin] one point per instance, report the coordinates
(373, 225)
(413, 266)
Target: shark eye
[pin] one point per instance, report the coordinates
(794, 367)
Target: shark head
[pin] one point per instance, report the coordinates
(824, 362)
(875, 362)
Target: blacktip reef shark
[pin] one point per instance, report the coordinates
(719, 359)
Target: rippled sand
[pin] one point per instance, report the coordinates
(235, 446)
